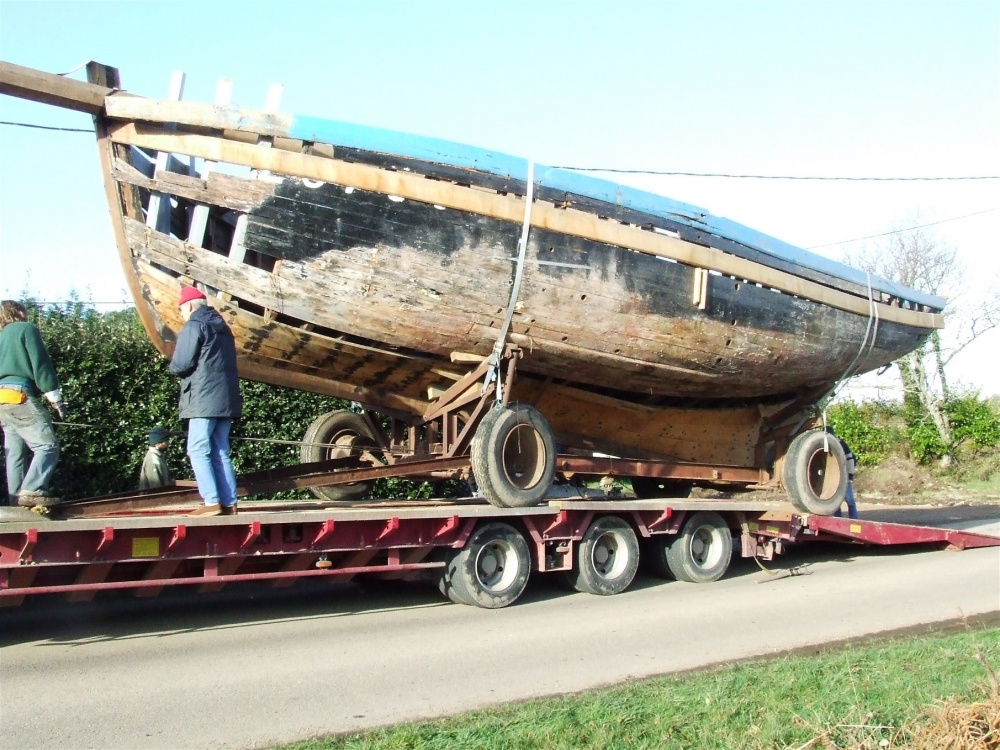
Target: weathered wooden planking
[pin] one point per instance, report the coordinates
(656, 341)
(227, 191)
(213, 116)
(588, 420)
(313, 300)
(300, 359)
(629, 305)
(508, 208)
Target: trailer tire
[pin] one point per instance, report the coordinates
(655, 487)
(607, 558)
(491, 570)
(699, 553)
(445, 586)
(347, 432)
(815, 473)
(513, 456)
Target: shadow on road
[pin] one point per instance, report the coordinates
(117, 614)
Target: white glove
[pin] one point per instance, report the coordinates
(55, 398)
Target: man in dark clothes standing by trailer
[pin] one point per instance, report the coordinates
(852, 463)
(205, 360)
(26, 372)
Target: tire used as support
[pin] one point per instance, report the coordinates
(815, 473)
(338, 434)
(513, 456)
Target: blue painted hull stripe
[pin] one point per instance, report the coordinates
(440, 151)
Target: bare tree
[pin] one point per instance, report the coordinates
(914, 258)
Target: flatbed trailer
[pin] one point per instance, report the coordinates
(477, 554)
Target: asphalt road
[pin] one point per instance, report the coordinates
(249, 668)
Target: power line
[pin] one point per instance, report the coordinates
(777, 177)
(46, 127)
(664, 173)
(898, 231)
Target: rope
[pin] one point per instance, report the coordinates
(870, 329)
(360, 449)
(522, 246)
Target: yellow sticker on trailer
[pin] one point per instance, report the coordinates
(145, 546)
(855, 528)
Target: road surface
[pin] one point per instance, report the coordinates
(249, 668)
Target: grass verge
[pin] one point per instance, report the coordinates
(883, 694)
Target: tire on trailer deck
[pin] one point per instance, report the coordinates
(513, 456)
(347, 432)
(607, 558)
(815, 473)
(491, 570)
(699, 553)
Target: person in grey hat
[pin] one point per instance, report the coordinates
(155, 472)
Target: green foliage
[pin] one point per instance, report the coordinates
(975, 427)
(876, 429)
(974, 422)
(118, 386)
(924, 438)
(870, 428)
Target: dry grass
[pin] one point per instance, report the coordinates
(951, 725)
(946, 725)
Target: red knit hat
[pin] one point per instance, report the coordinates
(189, 293)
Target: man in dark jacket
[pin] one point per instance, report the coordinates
(26, 371)
(205, 360)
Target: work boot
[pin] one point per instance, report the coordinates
(37, 500)
(230, 510)
(207, 510)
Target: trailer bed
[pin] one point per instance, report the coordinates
(281, 543)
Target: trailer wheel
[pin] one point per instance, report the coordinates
(491, 570)
(606, 558)
(815, 473)
(699, 553)
(655, 487)
(348, 435)
(514, 456)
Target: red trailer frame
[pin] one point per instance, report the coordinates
(148, 551)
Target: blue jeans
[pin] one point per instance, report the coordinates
(208, 449)
(852, 506)
(27, 430)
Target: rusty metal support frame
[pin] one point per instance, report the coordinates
(320, 474)
(661, 469)
(442, 415)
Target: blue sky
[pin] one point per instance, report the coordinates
(853, 89)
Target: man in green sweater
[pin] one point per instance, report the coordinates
(26, 371)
